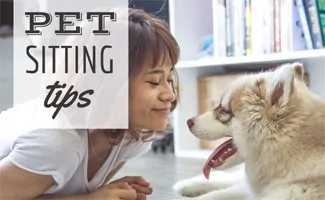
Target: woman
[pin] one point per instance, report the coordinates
(76, 164)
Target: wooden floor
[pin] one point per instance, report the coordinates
(163, 171)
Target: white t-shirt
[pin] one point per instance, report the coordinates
(63, 154)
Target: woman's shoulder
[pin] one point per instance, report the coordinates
(51, 143)
(20, 124)
(33, 115)
(54, 137)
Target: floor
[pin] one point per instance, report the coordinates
(163, 170)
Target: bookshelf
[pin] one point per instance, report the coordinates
(267, 58)
(193, 21)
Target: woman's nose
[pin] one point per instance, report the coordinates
(168, 94)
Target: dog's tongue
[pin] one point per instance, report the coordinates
(213, 161)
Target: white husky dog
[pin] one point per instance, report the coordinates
(276, 127)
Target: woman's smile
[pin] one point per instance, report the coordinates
(162, 111)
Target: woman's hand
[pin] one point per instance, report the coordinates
(140, 185)
(114, 191)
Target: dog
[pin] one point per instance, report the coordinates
(275, 149)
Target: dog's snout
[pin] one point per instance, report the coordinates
(190, 123)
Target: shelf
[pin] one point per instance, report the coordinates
(266, 58)
(190, 31)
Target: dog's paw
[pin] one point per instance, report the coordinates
(193, 187)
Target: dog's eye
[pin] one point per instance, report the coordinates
(226, 112)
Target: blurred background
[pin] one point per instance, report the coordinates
(219, 40)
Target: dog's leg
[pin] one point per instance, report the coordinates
(298, 191)
(196, 186)
(199, 185)
(239, 191)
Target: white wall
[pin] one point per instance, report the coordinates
(316, 70)
(6, 76)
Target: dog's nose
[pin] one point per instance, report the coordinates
(190, 123)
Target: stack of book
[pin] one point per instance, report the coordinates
(255, 27)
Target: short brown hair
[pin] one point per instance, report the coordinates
(151, 44)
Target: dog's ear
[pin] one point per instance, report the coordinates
(281, 83)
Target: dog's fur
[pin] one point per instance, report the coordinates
(278, 126)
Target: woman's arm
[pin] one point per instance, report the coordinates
(19, 184)
(122, 186)
(69, 197)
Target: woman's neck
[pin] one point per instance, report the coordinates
(99, 145)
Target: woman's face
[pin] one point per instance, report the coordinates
(151, 97)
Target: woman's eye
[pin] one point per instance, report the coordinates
(153, 83)
(170, 81)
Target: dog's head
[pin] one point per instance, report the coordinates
(253, 107)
